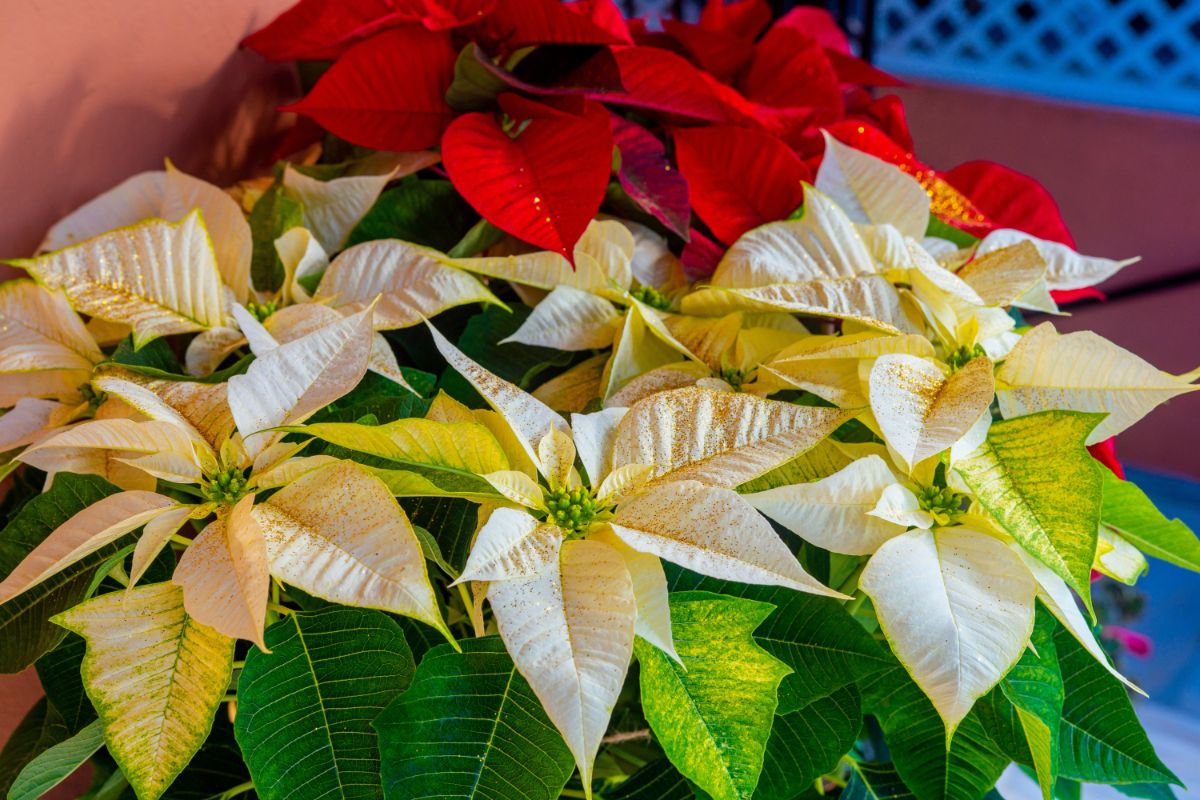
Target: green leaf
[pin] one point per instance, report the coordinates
(155, 355)
(25, 629)
(658, 780)
(53, 766)
(432, 552)
(916, 737)
(155, 677)
(1036, 478)
(273, 215)
(305, 709)
(59, 673)
(425, 212)
(470, 727)
(474, 87)
(815, 636)
(875, 781)
(1128, 511)
(450, 520)
(1150, 791)
(1035, 688)
(714, 719)
(808, 743)
(41, 729)
(1101, 739)
(514, 362)
(480, 237)
(379, 397)
(943, 230)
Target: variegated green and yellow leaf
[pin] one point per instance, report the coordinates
(155, 676)
(1034, 477)
(467, 447)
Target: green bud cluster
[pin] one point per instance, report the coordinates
(93, 398)
(227, 487)
(572, 510)
(734, 377)
(651, 297)
(960, 357)
(261, 310)
(944, 503)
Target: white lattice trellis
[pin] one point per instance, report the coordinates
(1139, 53)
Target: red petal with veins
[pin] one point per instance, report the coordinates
(739, 178)
(647, 176)
(388, 92)
(544, 185)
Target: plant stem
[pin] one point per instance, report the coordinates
(280, 609)
(626, 736)
(234, 791)
(179, 540)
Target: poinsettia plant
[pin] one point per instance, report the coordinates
(691, 440)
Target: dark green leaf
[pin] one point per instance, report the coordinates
(1150, 791)
(470, 727)
(156, 354)
(516, 363)
(25, 629)
(808, 743)
(916, 737)
(41, 729)
(425, 212)
(273, 215)
(713, 715)
(875, 781)
(823, 645)
(658, 780)
(450, 520)
(1127, 510)
(305, 709)
(1101, 739)
(379, 397)
(58, 671)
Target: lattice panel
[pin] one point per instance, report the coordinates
(1139, 53)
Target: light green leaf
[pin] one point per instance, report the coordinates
(808, 743)
(1101, 739)
(1036, 478)
(42, 728)
(815, 636)
(1130, 512)
(1035, 689)
(25, 632)
(54, 765)
(305, 709)
(155, 676)
(470, 727)
(714, 719)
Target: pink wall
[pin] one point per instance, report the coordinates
(93, 92)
